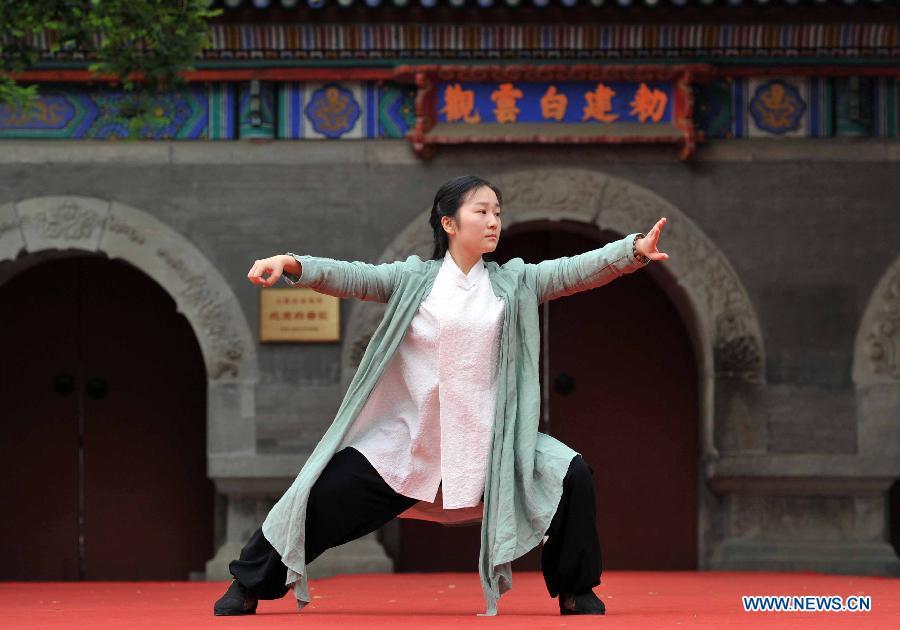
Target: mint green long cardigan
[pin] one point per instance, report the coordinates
(525, 468)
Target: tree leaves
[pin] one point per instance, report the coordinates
(145, 44)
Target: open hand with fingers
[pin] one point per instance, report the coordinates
(646, 245)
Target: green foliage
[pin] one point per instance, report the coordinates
(144, 44)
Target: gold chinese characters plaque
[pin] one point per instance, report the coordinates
(298, 314)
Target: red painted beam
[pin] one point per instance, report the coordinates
(224, 74)
(375, 74)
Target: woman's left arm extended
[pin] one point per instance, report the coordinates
(343, 278)
(564, 276)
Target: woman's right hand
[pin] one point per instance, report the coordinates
(273, 265)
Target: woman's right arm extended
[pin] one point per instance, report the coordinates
(339, 278)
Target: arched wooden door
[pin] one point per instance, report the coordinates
(623, 392)
(103, 392)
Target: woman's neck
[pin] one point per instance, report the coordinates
(464, 260)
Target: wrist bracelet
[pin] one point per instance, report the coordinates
(640, 257)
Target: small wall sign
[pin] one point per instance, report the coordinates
(298, 314)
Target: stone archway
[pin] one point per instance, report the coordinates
(200, 293)
(876, 370)
(697, 277)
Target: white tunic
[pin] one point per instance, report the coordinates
(428, 421)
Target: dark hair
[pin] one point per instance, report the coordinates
(449, 198)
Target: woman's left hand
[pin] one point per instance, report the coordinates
(647, 244)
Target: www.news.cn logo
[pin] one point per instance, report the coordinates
(814, 603)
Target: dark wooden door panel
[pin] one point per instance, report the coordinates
(623, 393)
(148, 503)
(39, 402)
(99, 364)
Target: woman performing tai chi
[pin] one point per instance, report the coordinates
(440, 421)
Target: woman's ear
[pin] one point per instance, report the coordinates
(449, 225)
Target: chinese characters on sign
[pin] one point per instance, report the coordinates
(575, 104)
(599, 102)
(298, 314)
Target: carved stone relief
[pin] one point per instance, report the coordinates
(876, 358)
(876, 370)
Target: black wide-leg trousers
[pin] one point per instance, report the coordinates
(350, 500)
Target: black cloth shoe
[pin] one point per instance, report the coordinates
(237, 600)
(586, 603)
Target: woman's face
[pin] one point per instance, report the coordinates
(477, 225)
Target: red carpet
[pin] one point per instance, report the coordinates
(634, 599)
